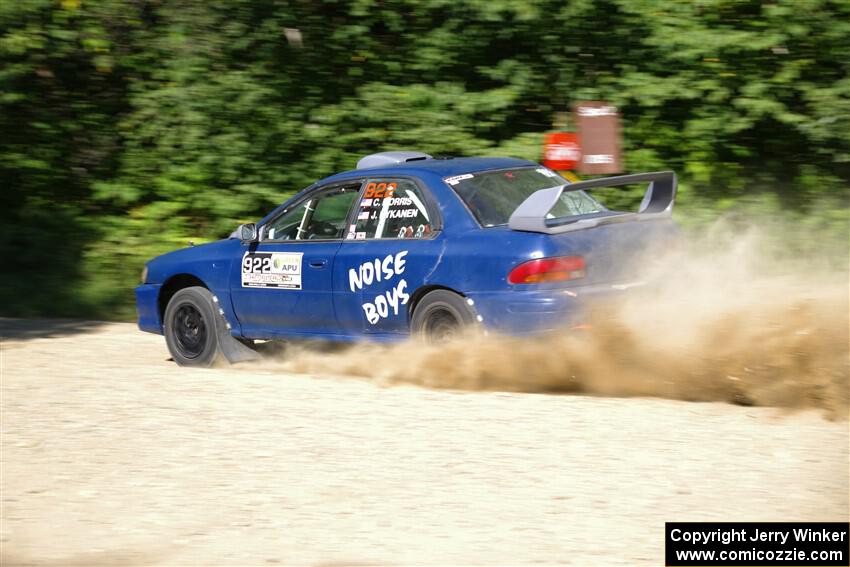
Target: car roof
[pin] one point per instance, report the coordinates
(442, 167)
(439, 167)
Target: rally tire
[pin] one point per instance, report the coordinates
(190, 328)
(441, 316)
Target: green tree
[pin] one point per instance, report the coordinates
(129, 128)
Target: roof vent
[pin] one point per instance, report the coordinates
(384, 159)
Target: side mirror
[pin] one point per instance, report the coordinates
(247, 232)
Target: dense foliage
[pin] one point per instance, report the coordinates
(128, 127)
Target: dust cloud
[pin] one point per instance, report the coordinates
(727, 317)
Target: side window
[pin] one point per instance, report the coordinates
(392, 208)
(320, 217)
(327, 219)
(285, 227)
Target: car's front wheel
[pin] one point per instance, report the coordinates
(442, 315)
(190, 330)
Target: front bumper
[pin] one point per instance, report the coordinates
(147, 308)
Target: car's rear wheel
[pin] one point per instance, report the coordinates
(442, 316)
(190, 330)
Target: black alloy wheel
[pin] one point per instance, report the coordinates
(190, 327)
(442, 316)
(190, 330)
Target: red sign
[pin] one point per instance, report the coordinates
(561, 151)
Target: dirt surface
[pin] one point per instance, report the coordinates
(111, 454)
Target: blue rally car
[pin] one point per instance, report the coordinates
(405, 244)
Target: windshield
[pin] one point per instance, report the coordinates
(493, 195)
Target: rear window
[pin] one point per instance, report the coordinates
(493, 195)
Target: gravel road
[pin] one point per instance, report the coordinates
(111, 454)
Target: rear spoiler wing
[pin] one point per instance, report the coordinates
(531, 215)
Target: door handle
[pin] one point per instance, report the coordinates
(318, 264)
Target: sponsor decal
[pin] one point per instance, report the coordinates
(399, 201)
(401, 213)
(379, 190)
(422, 230)
(277, 270)
(457, 178)
(375, 271)
(360, 235)
(383, 203)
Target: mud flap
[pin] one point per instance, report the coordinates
(232, 348)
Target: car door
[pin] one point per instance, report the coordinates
(283, 284)
(394, 244)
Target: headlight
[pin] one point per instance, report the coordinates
(145, 274)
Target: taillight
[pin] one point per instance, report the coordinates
(559, 269)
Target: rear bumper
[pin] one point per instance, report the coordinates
(526, 312)
(147, 308)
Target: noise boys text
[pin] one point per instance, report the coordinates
(375, 271)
